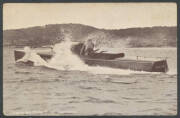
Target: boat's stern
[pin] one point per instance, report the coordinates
(18, 54)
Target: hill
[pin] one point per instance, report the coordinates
(55, 33)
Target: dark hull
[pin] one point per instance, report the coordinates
(138, 65)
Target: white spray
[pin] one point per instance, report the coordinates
(64, 59)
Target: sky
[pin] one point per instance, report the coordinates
(99, 15)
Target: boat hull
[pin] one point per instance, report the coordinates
(138, 65)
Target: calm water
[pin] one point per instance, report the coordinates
(43, 91)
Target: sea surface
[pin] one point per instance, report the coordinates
(60, 90)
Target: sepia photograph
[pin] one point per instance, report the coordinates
(90, 59)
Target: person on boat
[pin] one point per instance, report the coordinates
(87, 48)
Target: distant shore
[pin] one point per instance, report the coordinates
(159, 36)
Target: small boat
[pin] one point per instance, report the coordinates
(109, 60)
